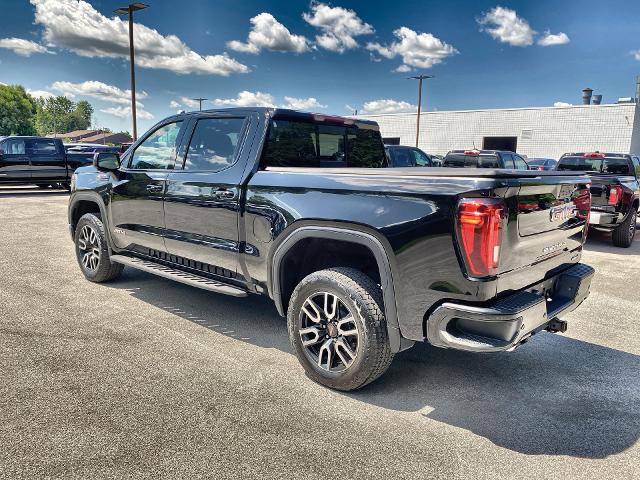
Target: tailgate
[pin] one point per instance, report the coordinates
(547, 219)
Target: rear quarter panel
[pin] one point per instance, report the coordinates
(412, 217)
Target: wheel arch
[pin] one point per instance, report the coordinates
(356, 236)
(87, 202)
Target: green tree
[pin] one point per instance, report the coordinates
(61, 115)
(17, 108)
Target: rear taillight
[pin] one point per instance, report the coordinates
(615, 195)
(540, 168)
(479, 229)
(582, 201)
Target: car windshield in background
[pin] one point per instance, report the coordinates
(610, 165)
(461, 160)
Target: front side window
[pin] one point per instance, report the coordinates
(158, 150)
(420, 158)
(214, 144)
(13, 147)
(43, 147)
(520, 163)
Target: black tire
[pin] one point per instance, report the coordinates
(102, 269)
(624, 234)
(363, 299)
(66, 186)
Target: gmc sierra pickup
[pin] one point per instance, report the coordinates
(38, 161)
(363, 261)
(615, 191)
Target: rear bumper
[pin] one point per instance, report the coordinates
(604, 219)
(511, 320)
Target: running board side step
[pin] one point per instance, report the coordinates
(179, 275)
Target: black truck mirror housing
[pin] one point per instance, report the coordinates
(106, 161)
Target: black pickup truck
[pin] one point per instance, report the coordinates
(38, 161)
(364, 261)
(615, 191)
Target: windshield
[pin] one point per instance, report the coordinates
(610, 165)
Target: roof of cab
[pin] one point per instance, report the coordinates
(285, 113)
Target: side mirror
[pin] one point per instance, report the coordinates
(106, 161)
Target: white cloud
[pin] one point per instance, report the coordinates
(550, 39)
(247, 99)
(562, 104)
(302, 103)
(78, 26)
(40, 93)
(388, 106)
(504, 25)
(22, 47)
(266, 32)
(636, 54)
(124, 112)
(98, 90)
(421, 50)
(339, 26)
(184, 102)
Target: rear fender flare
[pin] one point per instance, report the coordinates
(349, 235)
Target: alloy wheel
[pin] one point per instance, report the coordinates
(329, 332)
(89, 248)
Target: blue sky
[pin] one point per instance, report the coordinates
(322, 56)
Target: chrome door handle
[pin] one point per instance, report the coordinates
(154, 188)
(223, 193)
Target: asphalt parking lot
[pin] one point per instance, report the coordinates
(143, 377)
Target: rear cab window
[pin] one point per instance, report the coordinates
(301, 143)
(471, 160)
(612, 165)
(42, 146)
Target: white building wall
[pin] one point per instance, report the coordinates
(541, 132)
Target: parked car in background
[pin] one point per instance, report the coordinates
(437, 160)
(615, 191)
(38, 161)
(542, 163)
(484, 159)
(403, 156)
(363, 260)
(90, 147)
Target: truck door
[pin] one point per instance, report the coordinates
(14, 163)
(48, 160)
(202, 200)
(137, 216)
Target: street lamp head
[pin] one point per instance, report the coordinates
(420, 77)
(131, 8)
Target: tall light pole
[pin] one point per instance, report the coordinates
(128, 10)
(200, 100)
(419, 78)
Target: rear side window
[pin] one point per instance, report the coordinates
(214, 144)
(13, 147)
(611, 165)
(305, 144)
(158, 150)
(43, 147)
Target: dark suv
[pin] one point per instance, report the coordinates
(484, 159)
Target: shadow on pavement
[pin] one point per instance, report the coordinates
(554, 396)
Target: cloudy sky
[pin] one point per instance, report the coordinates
(332, 57)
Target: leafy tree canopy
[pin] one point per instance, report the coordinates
(17, 108)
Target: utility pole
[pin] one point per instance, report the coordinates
(200, 100)
(128, 10)
(419, 78)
